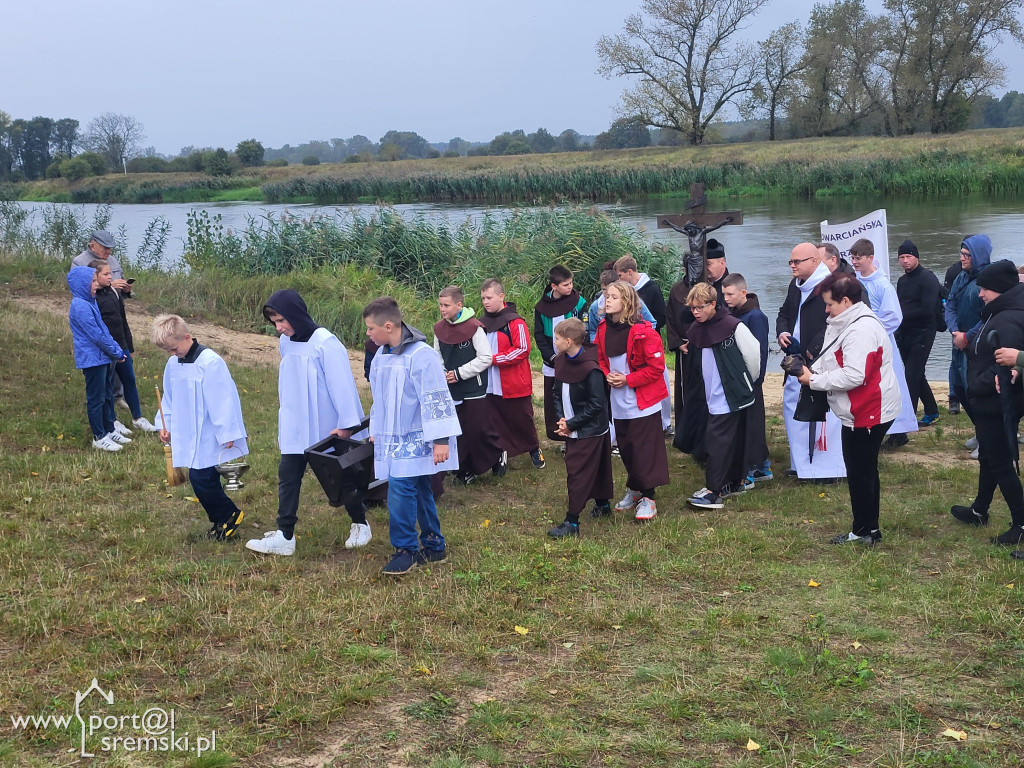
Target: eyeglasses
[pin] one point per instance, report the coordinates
(965, 254)
(794, 262)
(698, 307)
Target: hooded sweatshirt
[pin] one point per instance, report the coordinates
(315, 387)
(92, 341)
(465, 350)
(963, 305)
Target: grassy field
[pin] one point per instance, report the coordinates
(680, 643)
(955, 164)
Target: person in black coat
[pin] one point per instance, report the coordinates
(112, 310)
(920, 298)
(995, 401)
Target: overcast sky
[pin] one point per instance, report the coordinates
(215, 72)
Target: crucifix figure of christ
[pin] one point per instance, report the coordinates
(696, 223)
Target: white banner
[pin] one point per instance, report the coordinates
(873, 226)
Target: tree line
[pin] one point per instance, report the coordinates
(920, 65)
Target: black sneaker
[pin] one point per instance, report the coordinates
(538, 459)
(792, 473)
(401, 563)
(895, 441)
(867, 540)
(968, 515)
(433, 556)
(1018, 555)
(227, 530)
(601, 510)
(501, 468)
(1015, 535)
(954, 407)
(564, 530)
(466, 478)
(212, 533)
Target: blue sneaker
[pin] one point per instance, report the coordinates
(401, 563)
(759, 477)
(928, 419)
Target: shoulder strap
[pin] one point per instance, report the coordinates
(836, 339)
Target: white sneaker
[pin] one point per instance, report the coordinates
(646, 509)
(971, 444)
(272, 543)
(629, 500)
(118, 438)
(359, 536)
(145, 425)
(974, 454)
(121, 428)
(106, 444)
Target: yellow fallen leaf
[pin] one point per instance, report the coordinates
(994, 724)
(813, 583)
(246, 391)
(423, 670)
(855, 645)
(192, 499)
(485, 524)
(808, 521)
(949, 733)
(45, 449)
(27, 499)
(35, 474)
(752, 746)
(1010, 585)
(567, 645)
(139, 600)
(60, 436)
(167, 495)
(821, 495)
(522, 630)
(616, 626)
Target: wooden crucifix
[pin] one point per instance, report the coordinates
(696, 223)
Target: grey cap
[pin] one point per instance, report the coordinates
(102, 237)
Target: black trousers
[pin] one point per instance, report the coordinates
(996, 468)
(915, 354)
(289, 484)
(207, 487)
(860, 452)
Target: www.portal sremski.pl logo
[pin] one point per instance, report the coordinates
(152, 731)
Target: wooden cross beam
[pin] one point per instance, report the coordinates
(696, 223)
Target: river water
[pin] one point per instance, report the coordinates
(759, 248)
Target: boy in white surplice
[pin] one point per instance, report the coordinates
(318, 398)
(201, 419)
(413, 426)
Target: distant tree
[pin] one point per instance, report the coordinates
(510, 143)
(35, 155)
(6, 156)
(218, 163)
(249, 153)
(75, 168)
(541, 141)
(278, 163)
(148, 164)
(458, 145)
(781, 60)
(311, 160)
(97, 163)
(64, 138)
(390, 152)
(359, 144)
(451, 153)
(117, 137)
(481, 151)
(568, 141)
(624, 133)
(686, 59)
(411, 144)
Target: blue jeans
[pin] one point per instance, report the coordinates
(208, 489)
(99, 398)
(410, 501)
(126, 373)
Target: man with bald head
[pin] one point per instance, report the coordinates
(815, 450)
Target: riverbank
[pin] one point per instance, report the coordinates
(989, 161)
(682, 641)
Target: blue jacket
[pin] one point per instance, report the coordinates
(963, 305)
(93, 343)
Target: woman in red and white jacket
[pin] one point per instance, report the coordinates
(855, 369)
(632, 358)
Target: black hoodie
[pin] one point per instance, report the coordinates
(1003, 317)
(289, 305)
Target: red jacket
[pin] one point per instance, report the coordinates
(512, 360)
(645, 357)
